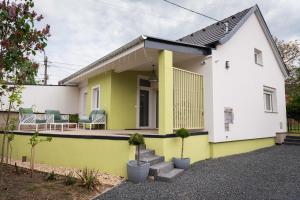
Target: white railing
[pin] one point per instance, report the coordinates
(188, 99)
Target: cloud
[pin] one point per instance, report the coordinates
(85, 30)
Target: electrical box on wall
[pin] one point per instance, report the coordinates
(228, 117)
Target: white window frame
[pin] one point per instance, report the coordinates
(258, 57)
(271, 93)
(92, 97)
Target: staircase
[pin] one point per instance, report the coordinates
(159, 169)
(292, 140)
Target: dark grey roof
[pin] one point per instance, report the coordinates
(213, 33)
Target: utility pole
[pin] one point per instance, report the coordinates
(46, 66)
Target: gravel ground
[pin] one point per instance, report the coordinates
(270, 173)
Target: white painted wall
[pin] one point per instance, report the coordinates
(62, 98)
(241, 86)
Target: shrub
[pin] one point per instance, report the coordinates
(88, 178)
(137, 140)
(70, 179)
(182, 133)
(50, 176)
(74, 118)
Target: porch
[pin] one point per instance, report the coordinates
(148, 86)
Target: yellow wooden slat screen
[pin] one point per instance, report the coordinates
(188, 99)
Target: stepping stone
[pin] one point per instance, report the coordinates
(169, 176)
(160, 167)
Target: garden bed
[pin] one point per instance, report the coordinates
(19, 184)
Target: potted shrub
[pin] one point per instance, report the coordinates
(182, 163)
(137, 170)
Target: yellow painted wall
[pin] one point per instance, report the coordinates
(196, 147)
(109, 156)
(104, 80)
(118, 97)
(237, 147)
(124, 99)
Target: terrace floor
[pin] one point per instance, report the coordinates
(98, 132)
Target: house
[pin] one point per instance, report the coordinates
(224, 82)
(227, 79)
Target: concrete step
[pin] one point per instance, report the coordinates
(152, 159)
(291, 143)
(145, 152)
(292, 137)
(142, 147)
(168, 176)
(160, 167)
(292, 140)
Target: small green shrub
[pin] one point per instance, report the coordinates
(70, 179)
(182, 133)
(74, 118)
(137, 140)
(50, 176)
(88, 178)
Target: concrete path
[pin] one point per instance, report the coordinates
(271, 173)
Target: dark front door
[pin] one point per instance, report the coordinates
(144, 108)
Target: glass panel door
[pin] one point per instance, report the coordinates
(144, 108)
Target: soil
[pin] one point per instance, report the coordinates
(19, 185)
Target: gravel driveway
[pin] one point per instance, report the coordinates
(271, 173)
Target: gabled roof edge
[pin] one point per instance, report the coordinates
(237, 27)
(255, 9)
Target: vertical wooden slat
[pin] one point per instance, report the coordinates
(188, 99)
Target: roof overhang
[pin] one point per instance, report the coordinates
(147, 42)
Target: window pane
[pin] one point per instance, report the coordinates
(268, 101)
(145, 83)
(95, 103)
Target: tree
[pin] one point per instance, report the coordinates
(137, 140)
(290, 53)
(33, 141)
(20, 40)
(182, 133)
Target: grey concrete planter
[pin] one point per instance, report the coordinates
(182, 163)
(137, 173)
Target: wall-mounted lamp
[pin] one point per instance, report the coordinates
(227, 64)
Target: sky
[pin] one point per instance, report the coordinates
(83, 31)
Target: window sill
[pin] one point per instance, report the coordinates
(261, 65)
(271, 112)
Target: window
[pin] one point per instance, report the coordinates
(95, 98)
(269, 99)
(145, 83)
(258, 57)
